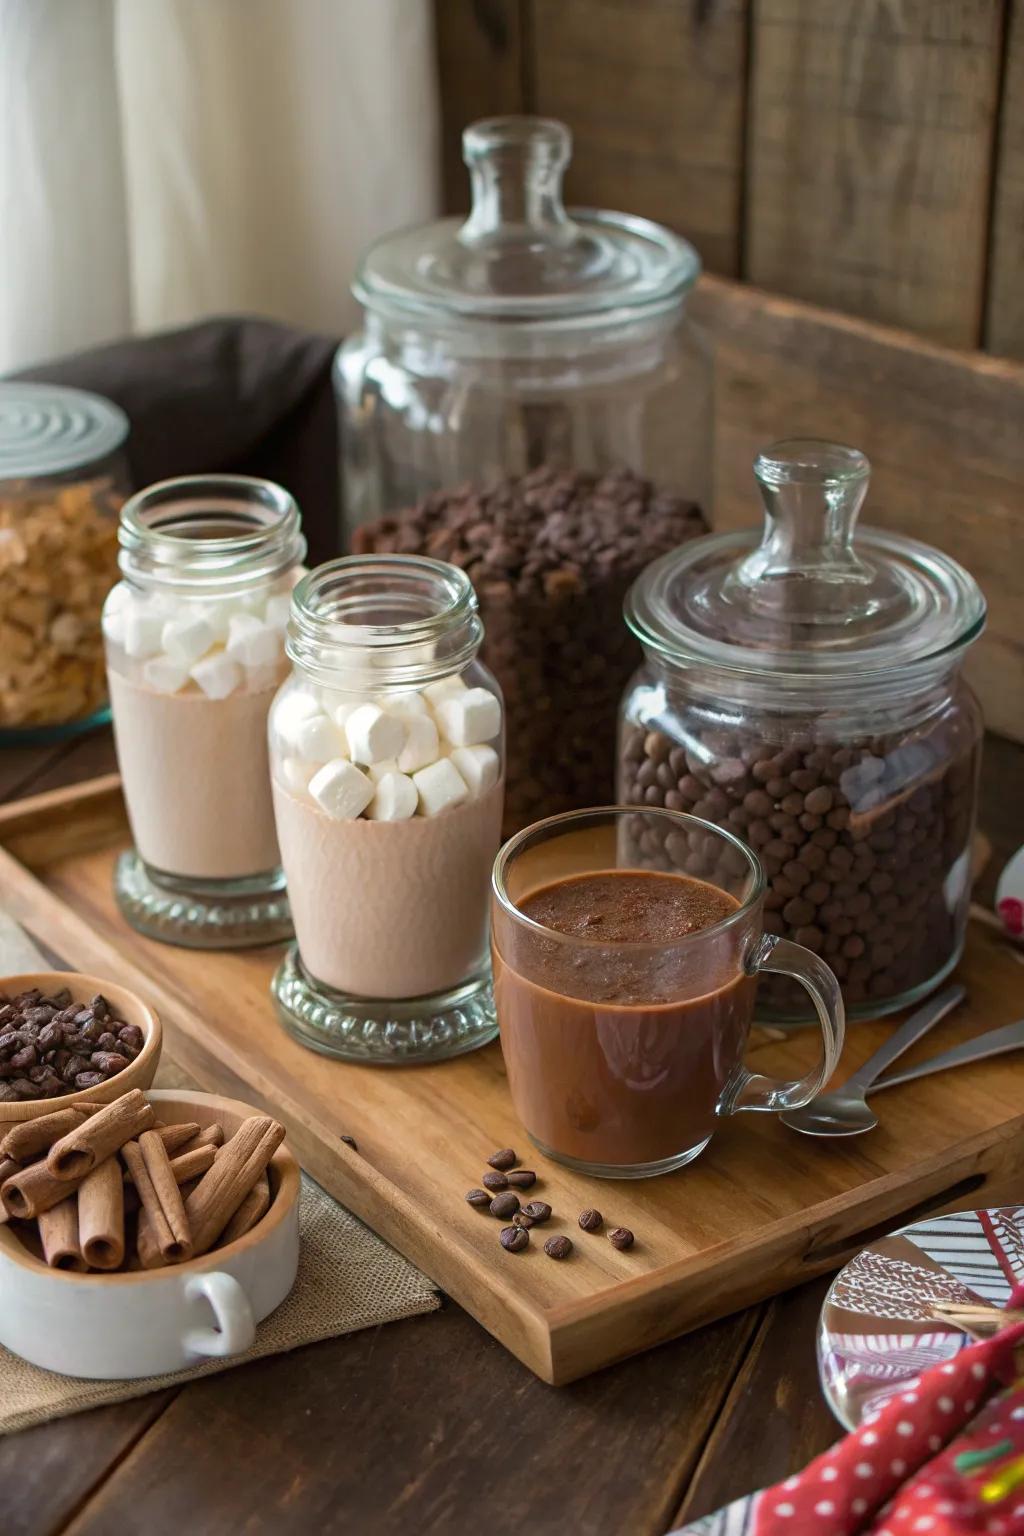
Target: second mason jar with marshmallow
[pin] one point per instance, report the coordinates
(387, 763)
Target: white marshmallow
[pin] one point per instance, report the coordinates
(277, 610)
(318, 739)
(217, 675)
(290, 710)
(164, 674)
(421, 744)
(378, 771)
(445, 689)
(341, 713)
(406, 705)
(297, 774)
(187, 638)
(440, 787)
(219, 614)
(252, 642)
(143, 628)
(470, 717)
(478, 766)
(341, 790)
(373, 735)
(396, 799)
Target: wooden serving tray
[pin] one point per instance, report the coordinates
(761, 1210)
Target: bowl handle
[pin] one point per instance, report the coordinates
(235, 1326)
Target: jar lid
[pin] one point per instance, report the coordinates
(48, 430)
(808, 599)
(520, 255)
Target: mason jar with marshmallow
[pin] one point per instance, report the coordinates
(387, 765)
(194, 640)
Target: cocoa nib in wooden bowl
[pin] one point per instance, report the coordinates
(69, 1039)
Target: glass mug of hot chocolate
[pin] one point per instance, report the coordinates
(626, 946)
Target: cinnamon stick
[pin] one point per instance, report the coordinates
(210, 1136)
(220, 1192)
(162, 1210)
(34, 1136)
(252, 1209)
(192, 1165)
(77, 1153)
(34, 1189)
(58, 1233)
(7, 1167)
(174, 1137)
(101, 1216)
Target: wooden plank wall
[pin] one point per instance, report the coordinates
(865, 155)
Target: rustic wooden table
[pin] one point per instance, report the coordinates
(429, 1424)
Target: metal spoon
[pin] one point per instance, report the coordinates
(844, 1111)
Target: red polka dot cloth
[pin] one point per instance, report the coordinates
(945, 1459)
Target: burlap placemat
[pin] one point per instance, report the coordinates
(348, 1279)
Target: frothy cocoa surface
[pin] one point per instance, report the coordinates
(620, 1056)
(625, 906)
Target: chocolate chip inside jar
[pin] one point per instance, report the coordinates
(551, 555)
(865, 844)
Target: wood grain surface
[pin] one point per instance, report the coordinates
(871, 132)
(654, 94)
(942, 430)
(761, 1210)
(1004, 331)
(373, 1421)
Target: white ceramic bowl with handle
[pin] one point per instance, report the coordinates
(151, 1322)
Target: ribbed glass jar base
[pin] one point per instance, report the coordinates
(202, 914)
(378, 1033)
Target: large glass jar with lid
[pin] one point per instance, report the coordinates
(63, 478)
(528, 400)
(804, 689)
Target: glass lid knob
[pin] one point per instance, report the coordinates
(806, 566)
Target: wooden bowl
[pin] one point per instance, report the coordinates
(138, 1074)
(149, 1322)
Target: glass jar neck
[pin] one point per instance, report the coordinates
(210, 535)
(373, 623)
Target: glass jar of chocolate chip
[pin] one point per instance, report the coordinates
(528, 400)
(804, 689)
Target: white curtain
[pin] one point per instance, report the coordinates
(162, 160)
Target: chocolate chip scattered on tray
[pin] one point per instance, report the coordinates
(538, 1211)
(591, 1220)
(521, 1178)
(504, 1205)
(51, 1046)
(621, 1238)
(478, 1197)
(515, 1239)
(495, 1181)
(558, 1247)
(505, 1158)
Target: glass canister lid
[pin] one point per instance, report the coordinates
(50, 430)
(520, 255)
(809, 599)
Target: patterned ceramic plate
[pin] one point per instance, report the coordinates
(876, 1333)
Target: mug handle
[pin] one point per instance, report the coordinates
(236, 1327)
(751, 1090)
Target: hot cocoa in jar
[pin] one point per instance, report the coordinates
(806, 694)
